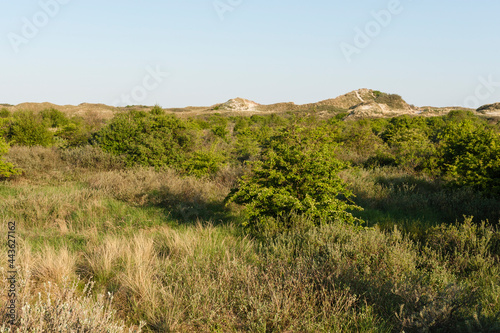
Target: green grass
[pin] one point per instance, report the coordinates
(393, 197)
(177, 259)
(38, 239)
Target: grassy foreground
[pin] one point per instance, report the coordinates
(101, 247)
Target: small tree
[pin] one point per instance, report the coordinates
(297, 173)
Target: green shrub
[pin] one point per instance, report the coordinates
(145, 138)
(28, 129)
(392, 100)
(5, 124)
(359, 142)
(245, 146)
(461, 115)
(204, 163)
(464, 246)
(470, 156)
(157, 110)
(412, 149)
(4, 113)
(6, 169)
(403, 124)
(220, 131)
(54, 118)
(76, 133)
(296, 173)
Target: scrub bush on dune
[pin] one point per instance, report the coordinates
(296, 173)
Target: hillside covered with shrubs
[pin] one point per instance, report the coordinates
(286, 222)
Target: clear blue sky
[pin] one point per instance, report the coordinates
(431, 53)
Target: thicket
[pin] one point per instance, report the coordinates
(470, 156)
(459, 149)
(29, 129)
(46, 128)
(145, 138)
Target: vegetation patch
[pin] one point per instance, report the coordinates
(224, 223)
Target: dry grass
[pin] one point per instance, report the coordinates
(39, 164)
(50, 298)
(103, 260)
(334, 278)
(185, 198)
(200, 277)
(63, 308)
(53, 207)
(53, 265)
(141, 186)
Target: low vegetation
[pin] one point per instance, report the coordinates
(291, 222)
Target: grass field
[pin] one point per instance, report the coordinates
(174, 259)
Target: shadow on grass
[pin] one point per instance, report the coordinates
(412, 203)
(190, 210)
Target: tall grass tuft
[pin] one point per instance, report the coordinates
(63, 308)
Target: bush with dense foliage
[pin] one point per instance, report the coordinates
(470, 156)
(392, 100)
(4, 113)
(54, 118)
(76, 133)
(144, 138)
(29, 129)
(204, 162)
(6, 169)
(296, 173)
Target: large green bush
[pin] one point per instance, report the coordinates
(245, 145)
(297, 173)
(359, 142)
(470, 156)
(144, 138)
(29, 129)
(412, 149)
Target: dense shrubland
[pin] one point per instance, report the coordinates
(253, 223)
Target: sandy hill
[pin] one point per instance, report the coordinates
(237, 104)
(102, 110)
(358, 104)
(490, 109)
(351, 99)
(371, 103)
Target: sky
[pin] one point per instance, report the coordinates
(179, 53)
